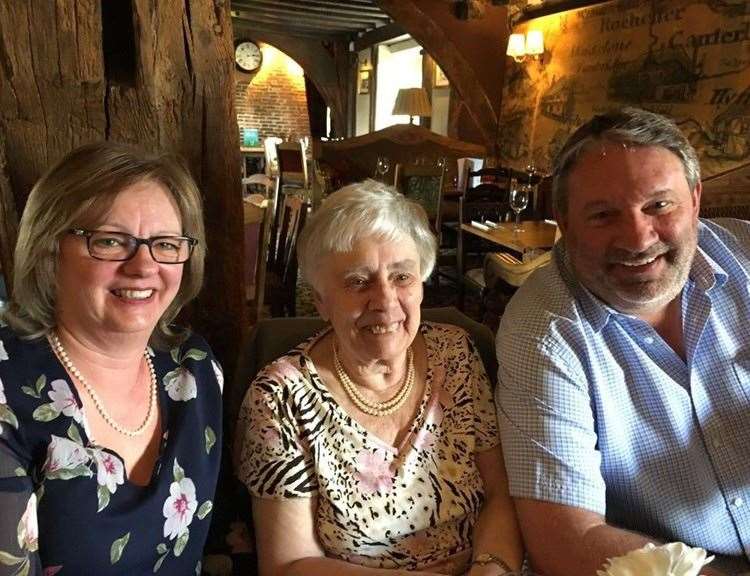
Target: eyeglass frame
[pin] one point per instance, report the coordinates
(87, 234)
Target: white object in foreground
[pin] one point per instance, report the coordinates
(674, 559)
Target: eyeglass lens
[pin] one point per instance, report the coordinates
(121, 246)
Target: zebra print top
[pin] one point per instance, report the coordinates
(410, 507)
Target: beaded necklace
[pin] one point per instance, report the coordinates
(375, 408)
(106, 416)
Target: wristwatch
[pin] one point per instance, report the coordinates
(487, 558)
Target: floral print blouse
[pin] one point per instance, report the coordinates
(67, 505)
(411, 506)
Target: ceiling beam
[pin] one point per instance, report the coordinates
(382, 34)
(243, 28)
(329, 8)
(301, 20)
(287, 10)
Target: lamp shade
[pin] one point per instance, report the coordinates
(412, 102)
(534, 43)
(516, 46)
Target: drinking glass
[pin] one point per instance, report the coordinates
(519, 199)
(382, 166)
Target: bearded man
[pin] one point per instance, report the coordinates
(624, 380)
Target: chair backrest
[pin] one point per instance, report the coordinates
(283, 256)
(269, 145)
(292, 164)
(464, 166)
(485, 202)
(273, 337)
(424, 185)
(257, 182)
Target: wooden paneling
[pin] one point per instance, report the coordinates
(55, 95)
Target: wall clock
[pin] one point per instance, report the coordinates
(247, 56)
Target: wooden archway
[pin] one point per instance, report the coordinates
(470, 52)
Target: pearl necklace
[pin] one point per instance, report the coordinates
(63, 355)
(375, 408)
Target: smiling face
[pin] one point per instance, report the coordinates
(95, 298)
(631, 226)
(372, 295)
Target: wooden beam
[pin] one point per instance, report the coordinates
(299, 22)
(361, 13)
(382, 34)
(243, 26)
(555, 7)
(8, 220)
(264, 8)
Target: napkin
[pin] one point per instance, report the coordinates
(674, 559)
(479, 225)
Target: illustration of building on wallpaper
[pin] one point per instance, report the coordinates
(685, 58)
(666, 75)
(732, 130)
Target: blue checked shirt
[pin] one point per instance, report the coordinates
(598, 412)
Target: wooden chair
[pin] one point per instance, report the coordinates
(292, 165)
(257, 247)
(424, 185)
(282, 260)
(487, 201)
(272, 163)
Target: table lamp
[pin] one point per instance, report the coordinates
(412, 102)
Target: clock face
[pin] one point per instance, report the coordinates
(248, 56)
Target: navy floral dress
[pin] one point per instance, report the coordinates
(66, 505)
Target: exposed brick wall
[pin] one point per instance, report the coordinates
(274, 100)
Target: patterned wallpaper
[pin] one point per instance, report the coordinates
(689, 60)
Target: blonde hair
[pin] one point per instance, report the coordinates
(78, 192)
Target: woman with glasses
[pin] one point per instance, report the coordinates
(110, 416)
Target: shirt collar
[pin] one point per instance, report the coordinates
(705, 273)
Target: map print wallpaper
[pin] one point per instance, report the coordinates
(689, 60)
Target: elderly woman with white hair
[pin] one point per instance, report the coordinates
(372, 448)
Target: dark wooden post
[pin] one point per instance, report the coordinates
(156, 74)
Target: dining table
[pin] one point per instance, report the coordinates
(531, 235)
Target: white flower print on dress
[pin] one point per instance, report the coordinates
(179, 508)
(3, 353)
(28, 529)
(64, 401)
(66, 459)
(180, 385)
(109, 469)
(374, 471)
(6, 414)
(219, 374)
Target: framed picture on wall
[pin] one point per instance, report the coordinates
(364, 82)
(440, 78)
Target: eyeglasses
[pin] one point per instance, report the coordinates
(120, 246)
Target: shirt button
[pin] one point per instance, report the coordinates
(737, 501)
(649, 340)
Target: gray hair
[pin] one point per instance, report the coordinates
(628, 126)
(359, 211)
(78, 193)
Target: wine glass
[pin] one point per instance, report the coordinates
(519, 199)
(382, 166)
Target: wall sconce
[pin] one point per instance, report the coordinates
(522, 45)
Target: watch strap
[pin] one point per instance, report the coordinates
(487, 558)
